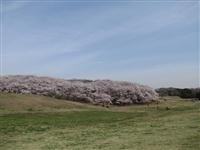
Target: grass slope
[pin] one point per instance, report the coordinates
(37, 122)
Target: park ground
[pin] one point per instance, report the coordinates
(30, 122)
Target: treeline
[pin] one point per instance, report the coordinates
(183, 93)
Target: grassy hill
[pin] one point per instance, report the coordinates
(20, 103)
(38, 122)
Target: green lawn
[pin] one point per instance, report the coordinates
(37, 122)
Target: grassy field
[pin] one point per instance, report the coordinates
(37, 122)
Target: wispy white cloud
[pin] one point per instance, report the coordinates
(153, 22)
(12, 5)
(67, 41)
(80, 39)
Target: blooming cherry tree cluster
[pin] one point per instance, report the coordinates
(96, 92)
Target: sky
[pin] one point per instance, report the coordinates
(148, 42)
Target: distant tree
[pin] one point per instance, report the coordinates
(173, 92)
(186, 93)
(198, 95)
(162, 92)
(168, 91)
(183, 93)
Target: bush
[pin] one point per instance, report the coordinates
(183, 93)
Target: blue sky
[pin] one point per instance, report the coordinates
(148, 42)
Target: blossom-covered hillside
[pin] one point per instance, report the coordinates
(87, 91)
